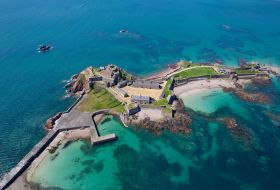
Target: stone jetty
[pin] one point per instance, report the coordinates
(72, 119)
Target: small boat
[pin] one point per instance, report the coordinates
(123, 31)
(44, 48)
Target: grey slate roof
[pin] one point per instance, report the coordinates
(121, 91)
(146, 84)
(122, 84)
(140, 98)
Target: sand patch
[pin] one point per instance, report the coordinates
(153, 114)
(153, 93)
(202, 85)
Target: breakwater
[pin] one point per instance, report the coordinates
(11, 176)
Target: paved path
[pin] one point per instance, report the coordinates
(189, 69)
(74, 118)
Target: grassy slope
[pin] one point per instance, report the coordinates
(166, 88)
(99, 98)
(195, 72)
(244, 71)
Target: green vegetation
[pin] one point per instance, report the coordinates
(245, 71)
(186, 64)
(99, 98)
(196, 72)
(166, 90)
(131, 105)
(82, 78)
(167, 110)
(123, 75)
(162, 102)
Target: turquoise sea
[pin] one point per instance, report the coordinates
(86, 32)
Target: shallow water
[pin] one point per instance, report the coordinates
(209, 101)
(210, 157)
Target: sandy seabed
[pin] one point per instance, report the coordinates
(199, 86)
(23, 182)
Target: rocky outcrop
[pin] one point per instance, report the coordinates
(179, 124)
(51, 121)
(261, 81)
(258, 97)
(75, 76)
(274, 117)
(78, 84)
(230, 123)
(237, 85)
(241, 134)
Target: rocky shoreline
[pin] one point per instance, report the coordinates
(180, 123)
(79, 82)
(51, 121)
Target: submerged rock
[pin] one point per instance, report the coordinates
(274, 117)
(261, 81)
(241, 134)
(231, 123)
(258, 97)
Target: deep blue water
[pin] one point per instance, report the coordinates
(86, 32)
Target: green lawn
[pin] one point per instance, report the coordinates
(99, 98)
(161, 102)
(167, 110)
(196, 72)
(131, 105)
(244, 71)
(166, 90)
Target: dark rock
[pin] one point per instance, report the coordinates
(75, 76)
(261, 81)
(258, 98)
(231, 123)
(237, 85)
(274, 117)
(179, 124)
(51, 121)
(79, 84)
(239, 133)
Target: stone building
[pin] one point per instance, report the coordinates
(121, 91)
(171, 98)
(146, 84)
(122, 84)
(110, 75)
(131, 110)
(141, 99)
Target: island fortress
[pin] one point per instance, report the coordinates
(156, 91)
(153, 103)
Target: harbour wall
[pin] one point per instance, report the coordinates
(15, 172)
